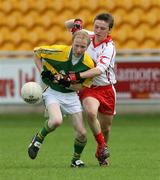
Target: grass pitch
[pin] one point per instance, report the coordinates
(134, 147)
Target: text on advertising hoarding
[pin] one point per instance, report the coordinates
(139, 79)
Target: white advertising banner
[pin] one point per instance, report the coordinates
(138, 80)
(13, 74)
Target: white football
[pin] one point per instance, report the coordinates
(31, 93)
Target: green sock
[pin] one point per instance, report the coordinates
(43, 133)
(78, 148)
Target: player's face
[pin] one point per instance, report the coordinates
(79, 46)
(101, 30)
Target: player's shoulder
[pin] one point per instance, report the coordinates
(110, 45)
(110, 41)
(51, 49)
(53, 52)
(59, 48)
(88, 61)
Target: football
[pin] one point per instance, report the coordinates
(31, 93)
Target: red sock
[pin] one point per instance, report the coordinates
(100, 138)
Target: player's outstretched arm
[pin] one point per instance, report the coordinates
(79, 76)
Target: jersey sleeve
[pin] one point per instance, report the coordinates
(106, 58)
(43, 50)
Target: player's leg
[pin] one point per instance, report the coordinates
(106, 113)
(80, 139)
(106, 123)
(91, 106)
(55, 120)
(72, 106)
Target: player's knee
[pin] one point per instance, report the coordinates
(82, 134)
(91, 114)
(54, 123)
(106, 126)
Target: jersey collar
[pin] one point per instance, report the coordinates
(106, 40)
(70, 59)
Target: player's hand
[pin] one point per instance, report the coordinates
(77, 25)
(47, 75)
(62, 80)
(73, 77)
(67, 80)
(58, 77)
(65, 83)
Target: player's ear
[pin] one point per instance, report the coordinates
(110, 29)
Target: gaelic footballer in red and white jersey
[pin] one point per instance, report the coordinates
(103, 54)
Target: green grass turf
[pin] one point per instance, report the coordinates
(134, 147)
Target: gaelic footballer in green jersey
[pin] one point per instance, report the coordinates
(58, 99)
(60, 59)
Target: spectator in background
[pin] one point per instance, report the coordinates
(99, 100)
(59, 98)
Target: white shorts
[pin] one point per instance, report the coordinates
(69, 102)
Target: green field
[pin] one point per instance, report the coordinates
(134, 147)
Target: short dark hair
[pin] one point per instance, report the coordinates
(108, 18)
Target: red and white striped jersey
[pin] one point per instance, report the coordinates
(103, 54)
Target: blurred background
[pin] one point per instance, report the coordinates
(28, 23)
(25, 24)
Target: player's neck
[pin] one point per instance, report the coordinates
(75, 59)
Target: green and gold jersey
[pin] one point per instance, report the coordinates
(58, 59)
